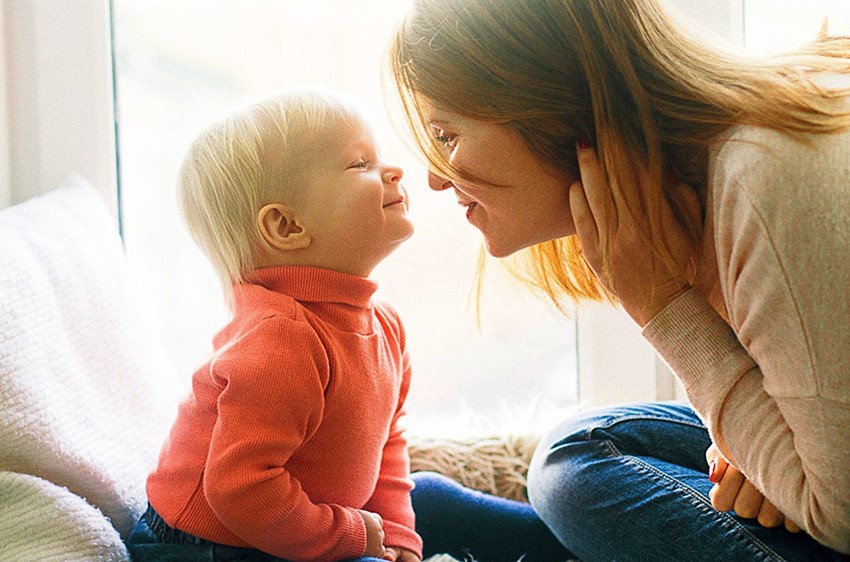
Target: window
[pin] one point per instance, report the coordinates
(181, 64)
(778, 25)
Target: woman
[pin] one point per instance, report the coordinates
(710, 196)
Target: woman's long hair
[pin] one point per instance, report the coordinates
(620, 73)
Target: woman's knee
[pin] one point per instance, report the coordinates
(557, 467)
(571, 459)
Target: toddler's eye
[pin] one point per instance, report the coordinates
(361, 164)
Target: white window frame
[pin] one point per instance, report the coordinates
(58, 98)
(59, 119)
(615, 362)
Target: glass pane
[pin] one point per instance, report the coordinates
(181, 64)
(778, 25)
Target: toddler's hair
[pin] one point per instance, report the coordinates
(245, 160)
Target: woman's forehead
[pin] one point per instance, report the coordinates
(433, 114)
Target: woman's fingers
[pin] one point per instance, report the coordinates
(791, 526)
(724, 493)
(748, 501)
(716, 464)
(585, 222)
(769, 516)
(594, 182)
(732, 491)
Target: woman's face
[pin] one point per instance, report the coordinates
(518, 201)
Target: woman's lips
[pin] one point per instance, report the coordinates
(470, 206)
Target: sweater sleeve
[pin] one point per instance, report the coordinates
(772, 385)
(391, 498)
(273, 381)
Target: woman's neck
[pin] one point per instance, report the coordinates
(691, 165)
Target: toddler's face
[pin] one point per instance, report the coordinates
(357, 209)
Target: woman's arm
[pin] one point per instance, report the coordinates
(773, 386)
(774, 394)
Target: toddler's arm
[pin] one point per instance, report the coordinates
(271, 401)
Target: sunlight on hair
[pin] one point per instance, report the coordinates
(181, 65)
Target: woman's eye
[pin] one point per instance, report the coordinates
(447, 140)
(443, 138)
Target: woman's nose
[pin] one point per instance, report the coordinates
(438, 183)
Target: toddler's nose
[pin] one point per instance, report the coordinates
(393, 174)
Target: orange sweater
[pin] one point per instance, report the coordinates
(293, 423)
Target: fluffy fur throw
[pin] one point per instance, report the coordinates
(496, 465)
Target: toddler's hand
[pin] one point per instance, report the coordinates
(374, 534)
(398, 554)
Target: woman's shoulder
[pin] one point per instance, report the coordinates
(775, 169)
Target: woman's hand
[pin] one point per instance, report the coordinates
(732, 491)
(637, 276)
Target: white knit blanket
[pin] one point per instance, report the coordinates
(86, 394)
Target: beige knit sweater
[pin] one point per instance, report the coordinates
(773, 384)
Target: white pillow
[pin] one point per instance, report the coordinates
(86, 392)
(45, 522)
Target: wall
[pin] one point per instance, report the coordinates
(616, 364)
(57, 90)
(56, 72)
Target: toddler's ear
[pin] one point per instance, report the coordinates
(281, 229)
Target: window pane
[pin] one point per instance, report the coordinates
(181, 64)
(778, 25)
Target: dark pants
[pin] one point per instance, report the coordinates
(152, 540)
(630, 483)
(471, 525)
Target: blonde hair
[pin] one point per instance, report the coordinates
(621, 74)
(251, 157)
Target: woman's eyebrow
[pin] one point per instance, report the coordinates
(442, 125)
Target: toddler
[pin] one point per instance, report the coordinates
(289, 446)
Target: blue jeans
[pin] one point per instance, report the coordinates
(630, 483)
(152, 540)
(471, 525)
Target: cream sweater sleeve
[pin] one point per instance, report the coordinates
(773, 385)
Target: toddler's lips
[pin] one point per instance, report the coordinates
(399, 201)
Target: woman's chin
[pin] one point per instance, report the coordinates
(503, 249)
(500, 250)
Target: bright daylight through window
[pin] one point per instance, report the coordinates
(181, 64)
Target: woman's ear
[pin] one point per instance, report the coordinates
(281, 229)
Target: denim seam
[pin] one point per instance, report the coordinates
(698, 501)
(611, 421)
